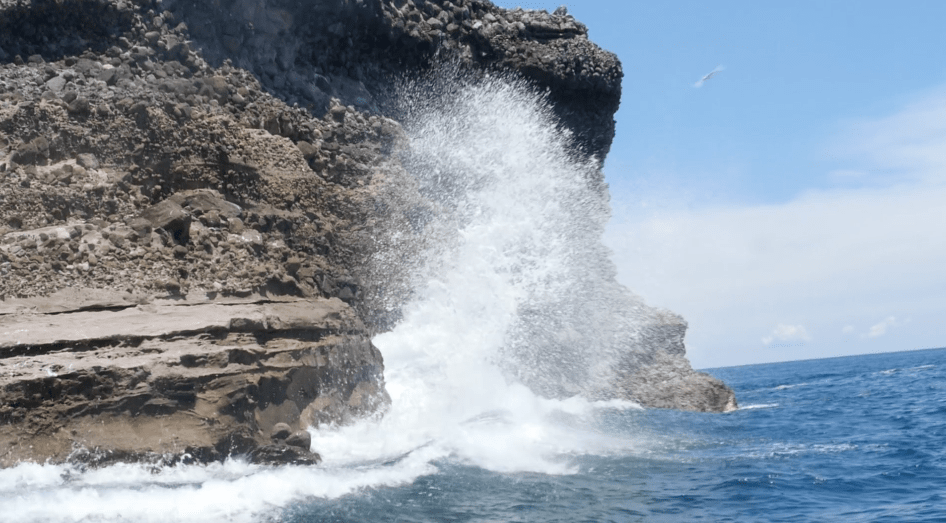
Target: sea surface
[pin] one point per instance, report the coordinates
(857, 438)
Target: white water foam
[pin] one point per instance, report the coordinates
(786, 387)
(778, 450)
(516, 297)
(759, 406)
(233, 491)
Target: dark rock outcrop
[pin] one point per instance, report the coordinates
(312, 51)
(190, 193)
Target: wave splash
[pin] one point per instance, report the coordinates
(510, 333)
(513, 268)
(514, 325)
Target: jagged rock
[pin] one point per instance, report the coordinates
(281, 431)
(283, 455)
(170, 216)
(31, 152)
(206, 201)
(301, 439)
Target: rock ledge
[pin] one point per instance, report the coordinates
(191, 380)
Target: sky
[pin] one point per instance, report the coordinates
(793, 205)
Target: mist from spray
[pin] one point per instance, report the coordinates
(512, 231)
(515, 325)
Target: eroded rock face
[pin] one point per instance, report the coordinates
(660, 376)
(191, 196)
(116, 376)
(312, 51)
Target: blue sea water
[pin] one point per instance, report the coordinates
(859, 438)
(852, 439)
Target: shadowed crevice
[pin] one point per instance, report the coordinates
(55, 29)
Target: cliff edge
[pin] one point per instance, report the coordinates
(190, 193)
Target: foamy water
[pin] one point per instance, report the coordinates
(233, 491)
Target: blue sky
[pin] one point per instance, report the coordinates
(794, 205)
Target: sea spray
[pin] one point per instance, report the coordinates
(512, 216)
(513, 322)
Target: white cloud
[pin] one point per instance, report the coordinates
(908, 145)
(881, 328)
(848, 329)
(847, 175)
(835, 246)
(787, 333)
(828, 259)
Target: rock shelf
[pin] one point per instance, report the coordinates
(109, 379)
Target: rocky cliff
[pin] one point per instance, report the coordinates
(191, 194)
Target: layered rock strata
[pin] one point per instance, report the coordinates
(100, 377)
(193, 196)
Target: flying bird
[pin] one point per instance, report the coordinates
(708, 76)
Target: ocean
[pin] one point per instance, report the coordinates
(853, 439)
(858, 438)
